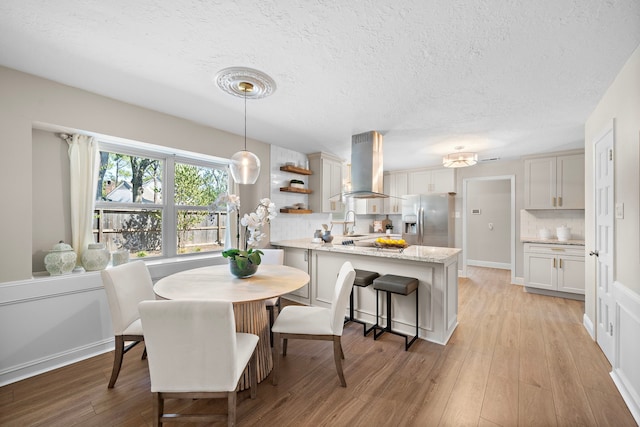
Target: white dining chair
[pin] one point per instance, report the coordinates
(196, 353)
(126, 286)
(315, 323)
(272, 257)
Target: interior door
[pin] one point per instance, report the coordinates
(604, 250)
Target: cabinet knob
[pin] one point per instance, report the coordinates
(592, 253)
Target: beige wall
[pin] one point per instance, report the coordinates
(493, 199)
(620, 103)
(29, 103)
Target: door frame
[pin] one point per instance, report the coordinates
(465, 182)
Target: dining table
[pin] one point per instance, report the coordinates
(248, 296)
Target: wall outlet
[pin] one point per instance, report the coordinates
(619, 210)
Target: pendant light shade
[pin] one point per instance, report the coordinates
(245, 167)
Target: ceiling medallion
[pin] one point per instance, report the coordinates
(230, 80)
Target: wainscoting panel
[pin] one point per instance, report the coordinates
(626, 370)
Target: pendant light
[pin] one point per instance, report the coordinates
(245, 166)
(459, 159)
(246, 83)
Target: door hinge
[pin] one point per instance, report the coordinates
(610, 154)
(611, 328)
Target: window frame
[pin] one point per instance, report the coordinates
(168, 207)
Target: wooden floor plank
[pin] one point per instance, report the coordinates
(515, 359)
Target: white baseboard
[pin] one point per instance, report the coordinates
(626, 374)
(588, 325)
(489, 264)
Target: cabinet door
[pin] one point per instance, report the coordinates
(334, 186)
(387, 204)
(443, 181)
(540, 183)
(298, 258)
(399, 188)
(419, 182)
(571, 274)
(570, 185)
(540, 271)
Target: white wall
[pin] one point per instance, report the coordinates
(621, 103)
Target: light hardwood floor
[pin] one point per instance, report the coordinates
(516, 359)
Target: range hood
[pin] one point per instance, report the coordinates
(366, 166)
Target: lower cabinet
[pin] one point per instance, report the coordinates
(554, 267)
(298, 258)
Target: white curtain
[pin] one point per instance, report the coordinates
(84, 159)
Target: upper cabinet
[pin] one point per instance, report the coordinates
(395, 186)
(432, 181)
(326, 183)
(554, 182)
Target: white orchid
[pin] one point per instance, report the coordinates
(254, 221)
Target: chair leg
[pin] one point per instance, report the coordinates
(253, 373)
(284, 347)
(158, 409)
(231, 408)
(117, 360)
(276, 358)
(341, 350)
(271, 320)
(144, 353)
(337, 351)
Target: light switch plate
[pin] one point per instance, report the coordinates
(619, 210)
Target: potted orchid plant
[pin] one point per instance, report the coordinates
(244, 261)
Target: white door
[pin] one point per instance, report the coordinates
(604, 250)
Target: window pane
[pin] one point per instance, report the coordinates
(197, 185)
(129, 179)
(139, 231)
(200, 232)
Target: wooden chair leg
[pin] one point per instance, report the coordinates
(341, 351)
(117, 360)
(284, 347)
(231, 408)
(271, 320)
(276, 358)
(337, 351)
(253, 373)
(158, 409)
(144, 353)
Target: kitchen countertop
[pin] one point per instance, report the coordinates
(411, 253)
(551, 241)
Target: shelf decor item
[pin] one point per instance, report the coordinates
(96, 257)
(61, 259)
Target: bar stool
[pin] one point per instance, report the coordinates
(400, 285)
(363, 279)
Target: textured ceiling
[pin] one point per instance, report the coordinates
(503, 78)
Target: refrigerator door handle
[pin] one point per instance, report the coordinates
(421, 225)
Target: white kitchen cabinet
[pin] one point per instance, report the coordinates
(369, 206)
(326, 183)
(554, 182)
(554, 267)
(298, 258)
(396, 186)
(432, 181)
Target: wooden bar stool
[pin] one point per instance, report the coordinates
(400, 285)
(363, 279)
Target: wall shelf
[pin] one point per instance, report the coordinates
(295, 190)
(296, 211)
(295, 169)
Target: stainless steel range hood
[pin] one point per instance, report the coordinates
(366, 166)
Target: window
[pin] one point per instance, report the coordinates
(157, 205)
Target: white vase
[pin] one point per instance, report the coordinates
(60, 260)
(96, 257)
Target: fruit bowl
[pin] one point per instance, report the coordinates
(381, 242)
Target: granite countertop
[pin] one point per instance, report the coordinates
(551, 241)
(411, 253)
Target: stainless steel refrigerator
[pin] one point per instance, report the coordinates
(428, 219)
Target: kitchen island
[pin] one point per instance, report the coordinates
(435, 268)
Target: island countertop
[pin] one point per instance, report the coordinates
(412, 253)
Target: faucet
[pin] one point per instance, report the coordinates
(345, 227)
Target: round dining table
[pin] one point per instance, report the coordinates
(248, 296)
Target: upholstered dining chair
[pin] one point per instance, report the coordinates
(196, 353)
(315, 323)
(126, 286)
(274, 257)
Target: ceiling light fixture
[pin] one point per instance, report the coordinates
(246, 83)
(459, 159)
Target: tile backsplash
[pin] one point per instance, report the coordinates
(533, 220)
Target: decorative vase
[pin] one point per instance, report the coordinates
(96, 257)
(60, 260)
(248, 270)
(119, 257)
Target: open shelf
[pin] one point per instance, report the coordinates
(295, 169)
(296, 211)
(295, 190)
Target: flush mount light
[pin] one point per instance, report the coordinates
(459, 159)
(246, 83)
